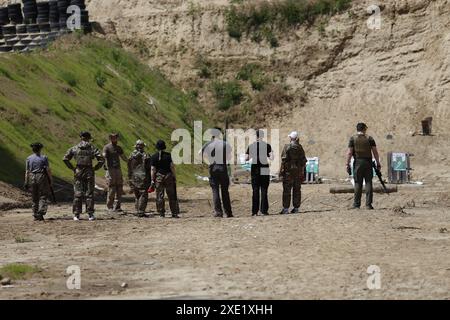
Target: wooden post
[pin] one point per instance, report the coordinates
(350, 189)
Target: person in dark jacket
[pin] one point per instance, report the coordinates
(164, 180)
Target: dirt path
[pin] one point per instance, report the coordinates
(322, 253)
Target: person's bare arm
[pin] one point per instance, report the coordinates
(349, 156)
(153, 174)
(376, 156)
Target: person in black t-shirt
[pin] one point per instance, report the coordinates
(260, 152)
(164, 180)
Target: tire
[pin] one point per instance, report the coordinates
(9, 30)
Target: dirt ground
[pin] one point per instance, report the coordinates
(322, 253)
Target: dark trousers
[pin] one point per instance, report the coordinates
(260, 186)
(363, 172)
(294, 187)
(221, 182)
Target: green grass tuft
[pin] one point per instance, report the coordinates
(20, 239)
(242, 18)
(18, 271)
(227, 93)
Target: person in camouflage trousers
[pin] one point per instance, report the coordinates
(164, 180)
(139, 177)
(112, 153)
(38, 178)
(293, 162)
(84, 173)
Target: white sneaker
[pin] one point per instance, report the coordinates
(91, 218)
(76, 218)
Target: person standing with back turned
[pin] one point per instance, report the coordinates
(38, 177)
(84, 173)
(362, 147)
(260, 152)
(218, 153)
(292, 172)
(164, 179)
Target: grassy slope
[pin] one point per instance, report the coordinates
(39, 101)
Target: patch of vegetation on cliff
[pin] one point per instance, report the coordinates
(261, 18)
(85, 83)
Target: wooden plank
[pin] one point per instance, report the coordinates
(349, 189)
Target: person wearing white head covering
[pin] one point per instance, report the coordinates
(292, 171)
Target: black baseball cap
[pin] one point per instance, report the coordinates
(160, 145)
(361, 126)
(86, 135)
(37, 146)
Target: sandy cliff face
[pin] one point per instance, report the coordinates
(390, 78)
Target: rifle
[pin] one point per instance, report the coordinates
(52, 191)
(380, 176)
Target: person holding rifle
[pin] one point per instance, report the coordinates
(38, 179)
(362, 147)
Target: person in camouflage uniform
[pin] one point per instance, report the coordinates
(38, 177)
(139, 176)
(84, 173)
(293, 162)
(164, 179)
(112, 153)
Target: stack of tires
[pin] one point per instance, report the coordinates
(21, 45)
(22, 33)
(54, 15)
(15, 13)
(43, 9)
(63, 15)
(43, 21)
(30, 11)
(10, 35)
(40, 23)
(33, 35)
(4, 18)
(21, 30)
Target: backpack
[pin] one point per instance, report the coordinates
(84, 154)
(294, 155)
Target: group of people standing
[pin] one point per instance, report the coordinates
(156, 173)
(146, 173)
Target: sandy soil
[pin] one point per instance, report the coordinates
(323, 253)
